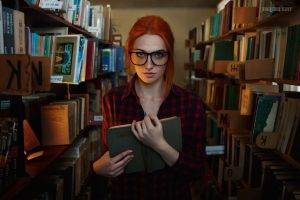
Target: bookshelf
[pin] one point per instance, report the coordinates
(280, 19)
(40, 16)
(84, 97)
(233, 116)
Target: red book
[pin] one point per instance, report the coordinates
(90, 60)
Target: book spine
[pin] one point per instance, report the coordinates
(8, 30)
(1, 31)
(19, 32)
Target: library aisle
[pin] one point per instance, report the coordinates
(58, 58)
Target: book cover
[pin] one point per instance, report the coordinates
(265, 115)
(120, 138)
(66, 58)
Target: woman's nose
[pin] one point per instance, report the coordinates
(149, 64)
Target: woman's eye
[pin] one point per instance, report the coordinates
(140, 54)
(158, 54)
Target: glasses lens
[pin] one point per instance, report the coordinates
(159, 57)
(138, 58)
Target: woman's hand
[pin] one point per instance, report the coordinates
(112, 167)
(151, 134)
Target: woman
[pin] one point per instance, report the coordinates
(148, 97)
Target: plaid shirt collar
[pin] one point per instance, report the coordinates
(130, 89)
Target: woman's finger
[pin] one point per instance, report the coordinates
(139, 129)
(120, 156)
(155, 119)
(118, 173)
(133, 129)
(148, 122)
(122, 163)
(144, 128)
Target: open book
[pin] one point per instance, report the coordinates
(120, 138)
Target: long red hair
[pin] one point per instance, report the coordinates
(157, 26)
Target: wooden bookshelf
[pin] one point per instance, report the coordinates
(37, 167)
(40, 17)
(33, 169)
(280, 19)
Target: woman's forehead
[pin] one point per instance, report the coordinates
(149, 43)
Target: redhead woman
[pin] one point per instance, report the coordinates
(149, 96)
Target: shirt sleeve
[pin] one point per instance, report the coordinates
(190, 163)
(105, 123)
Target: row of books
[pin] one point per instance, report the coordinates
(275, 48)
(233, 14)
(94, 18)
(69, 174)
(12, 31)
(113, 59)
(252, 100)
(8, 152)
(272, 177)
(74, 58)
(60, 121)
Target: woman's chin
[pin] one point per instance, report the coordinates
(148, 80)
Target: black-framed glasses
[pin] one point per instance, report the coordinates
(140, 57)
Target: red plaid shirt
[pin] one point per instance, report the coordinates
(121, 106)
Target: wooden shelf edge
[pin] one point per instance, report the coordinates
(276, 80)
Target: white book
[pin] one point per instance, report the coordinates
(83, 67)
(1, 31)
(65, 62)
(19, 32)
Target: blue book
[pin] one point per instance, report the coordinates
(8, 30)
(106, 53)
(119, 59)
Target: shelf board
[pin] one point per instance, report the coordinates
(290, 160)
(280, 19)
(276, 80)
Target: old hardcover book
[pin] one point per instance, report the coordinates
(120, 138)
(32, 146)
(58, 124)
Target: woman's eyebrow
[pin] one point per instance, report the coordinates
(149, 52)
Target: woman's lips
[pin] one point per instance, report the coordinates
(149, 75)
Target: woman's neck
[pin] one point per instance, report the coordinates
(150, 91)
